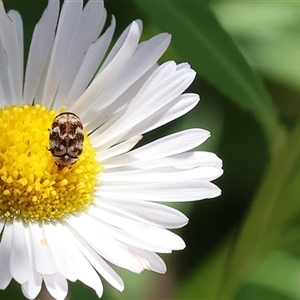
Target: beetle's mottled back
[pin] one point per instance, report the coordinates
(66, 139)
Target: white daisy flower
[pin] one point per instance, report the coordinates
(62, 222)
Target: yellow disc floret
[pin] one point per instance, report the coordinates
(31, 184)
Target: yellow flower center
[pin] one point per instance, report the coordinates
(31, 184)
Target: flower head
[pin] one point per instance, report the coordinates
(71, 221)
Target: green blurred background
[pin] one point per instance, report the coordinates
(244, 244)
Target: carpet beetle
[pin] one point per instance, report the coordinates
(66, 139)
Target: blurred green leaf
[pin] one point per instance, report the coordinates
(288, 205)
(268, 34)
(200, 39)
(136, 285)
(78, 291)
(262, 225)
(279, 274)
(252, 291)
(207, 278)
(12, 292)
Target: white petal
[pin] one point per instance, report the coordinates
(169, 145)
(33, 285)
(5, 250)
(163, 174)
(106, 125)
(18, 26)
(161, 192)
(177, 108)
(88, 31)
(56, 285)
(157, 236)
(65, 264)
(95, 53)
(2, 223)
(110, 249)
(172, 144)
(181, 161)
(6, 89)
(163, 86)
(9, 39)
(19, 258)
(97, 262)
(173, 110)
(118, 234)
(41, 43)
(125, 237)
(117, 62)
(87, 274)
(146, 212)
(109, 113)
(119, 148)
(134, 27)
(167, 82)
(69, 19)
(186, 160)
(144, 58)
(3, 98)
(154, 262)
(43, 259)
